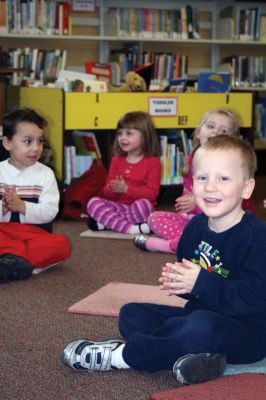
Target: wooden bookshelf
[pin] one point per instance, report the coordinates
(89, 38)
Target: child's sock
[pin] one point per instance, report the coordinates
(158, 244)
(101, 227)
(117, 358)
(94, 225)
(139, 228)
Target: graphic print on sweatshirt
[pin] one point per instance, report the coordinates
(209, 258)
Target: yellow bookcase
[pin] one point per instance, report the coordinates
(100, 111)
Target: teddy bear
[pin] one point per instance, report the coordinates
(133, 83)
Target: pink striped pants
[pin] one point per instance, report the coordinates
(117, 216)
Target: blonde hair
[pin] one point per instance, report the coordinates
(142, 122)
(204, 119)
(237, 144)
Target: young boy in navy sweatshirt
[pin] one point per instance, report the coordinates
(220, 269)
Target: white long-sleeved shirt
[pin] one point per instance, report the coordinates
(37, 186)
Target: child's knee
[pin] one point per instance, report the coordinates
(153, 219)
(199, 325)
(91, 204)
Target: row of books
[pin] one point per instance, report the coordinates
(260, 118)
(175, 148)
(75, 164)
(36, 63)
(242, 23)
(47, 17)
(204, 82)
(79, 155)
(248, 71)
(153, 23)
(166, 66)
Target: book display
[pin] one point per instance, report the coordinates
(181, 40)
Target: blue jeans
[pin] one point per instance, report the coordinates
(156, 336)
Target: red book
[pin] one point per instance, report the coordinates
(101, 70)
(65, 18)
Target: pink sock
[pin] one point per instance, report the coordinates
(157, 244)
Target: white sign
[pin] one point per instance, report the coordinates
(163, 106)
(83, 5)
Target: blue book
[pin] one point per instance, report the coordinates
(214, 82)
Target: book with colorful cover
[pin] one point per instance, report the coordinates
(214, 82)
(102, 71)
(86, 144)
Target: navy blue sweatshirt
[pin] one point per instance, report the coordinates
(232, 279)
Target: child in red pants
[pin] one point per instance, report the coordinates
(29, 200)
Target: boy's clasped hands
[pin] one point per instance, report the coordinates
(11, 201)
(179, 277)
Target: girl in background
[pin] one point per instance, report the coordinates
(169, 225)
(133, 181)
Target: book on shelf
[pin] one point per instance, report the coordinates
(183, 85)
(102, 71)
(78, 157)
(262, 29)
(75, 164)
(66, 78)
(213, 82)
(86, 143)
(175, 147)
(260, 118)
(226, 24)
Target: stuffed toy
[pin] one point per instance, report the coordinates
(133, 83)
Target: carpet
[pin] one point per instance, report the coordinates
(238, 387)
(107, 234)
(110, 298)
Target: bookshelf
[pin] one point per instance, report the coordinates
(93, 34)
(66, 112)
(91, 37)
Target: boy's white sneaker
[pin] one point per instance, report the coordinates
(86, 355)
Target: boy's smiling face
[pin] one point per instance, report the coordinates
(220, 184)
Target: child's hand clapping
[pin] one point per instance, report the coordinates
(264, 203)
(118, 185)
(12, 202)
(179, 278)
(185, 203)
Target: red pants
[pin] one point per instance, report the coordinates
(37, 246)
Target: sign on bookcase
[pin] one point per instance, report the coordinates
(83, 5)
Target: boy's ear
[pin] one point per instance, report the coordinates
(6, 143)
(248, 189)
